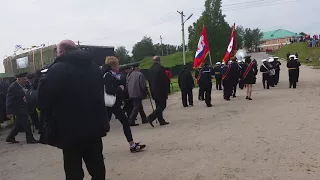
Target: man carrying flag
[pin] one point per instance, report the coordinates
(232, 47)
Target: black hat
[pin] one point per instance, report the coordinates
(31, 76)
(19, 75)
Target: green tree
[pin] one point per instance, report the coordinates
(123, 55)
(248, 38)
(143, 49)
(240, 36)
(257, 36)
(218, 30)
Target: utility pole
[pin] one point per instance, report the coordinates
(161, 45)
(183, 40)
(167, 49)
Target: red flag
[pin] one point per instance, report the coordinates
(202, 49)
(232, 46)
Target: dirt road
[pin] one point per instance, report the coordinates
(274, 137)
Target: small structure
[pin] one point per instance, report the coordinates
(276, 39)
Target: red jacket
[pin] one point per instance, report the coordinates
(169, 75)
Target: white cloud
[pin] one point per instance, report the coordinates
(124, 22)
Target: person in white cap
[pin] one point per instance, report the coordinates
(277, 68)
(264, 68)
(217, 75)
(272, 72)
(293, 66)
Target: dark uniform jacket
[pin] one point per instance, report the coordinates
(277, 65)
(15, 103)
(158, 81)
(293, 64)
(185, 80)
(234, 73)
(206, 74)
(217, 72)
(264, 68)
(71, 95)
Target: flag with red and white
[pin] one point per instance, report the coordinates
(202, 49)
(232, 47)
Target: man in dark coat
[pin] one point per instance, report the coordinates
(186, 84)
(197, 77)
(235, 75)
(128, 103)
(226, 81)
(72, 97)
(293, 66)
(205, 82)
(277, 64)
(159, 86)
(32, 106)
(18, 109)
(218, 76)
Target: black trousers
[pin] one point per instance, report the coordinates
(128, 107)
(121, 116)
(21, 122)
(266, 78)
(234, 87)
(277, 75)
(91, 153)
(35, 119)
(137, 108)
(293, 78)
(241, 84)
(161, 105)
(227, 89)
(218, 84)
(207, 93)
(298, 74)
(187, 96)
(201, 93)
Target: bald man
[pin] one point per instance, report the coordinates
(159, 86)
(72, 99)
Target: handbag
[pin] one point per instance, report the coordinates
(109, 100)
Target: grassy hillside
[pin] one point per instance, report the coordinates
(304, 52)
(168, 61)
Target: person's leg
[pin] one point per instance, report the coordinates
(220, 85)
(247, 91)
(143, 114)
(136, 108)
(208, 95)
(190, 97)
(161, 105)
(35, 119)
(184, 98)
(25, 124)
(93, 158)
(290, 78)
(72, 158)
(118, 112)
(264, 80)
(217, 83)
(225, 89)
(13, 133)
(234, 90)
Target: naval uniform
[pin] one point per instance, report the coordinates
(205, 83)
(293, 66)
(218, 76)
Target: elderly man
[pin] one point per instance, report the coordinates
(18, 109)
(71, 96)
(159, 86)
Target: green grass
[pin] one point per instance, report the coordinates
(168, 61)
(304, 52)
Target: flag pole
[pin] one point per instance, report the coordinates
(210, 58)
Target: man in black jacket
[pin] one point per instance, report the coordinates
(186, 84)
(205, 82)
(159, 86)
(218, 76)
(17, 108)
(72, 97)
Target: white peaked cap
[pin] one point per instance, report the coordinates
(218, 63)
(271, 59)
(276, 58)
(295, 58)
(292, 56)
(44, 71)
(239, 61)
(263, 60)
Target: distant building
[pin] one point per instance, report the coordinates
(36, 59)
(273, 40)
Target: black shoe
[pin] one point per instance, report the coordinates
(209, 105)
(134, 124)
(190, 104)
(227, 99)
(185, 105)
(234, 96)
(150, 122)
(247, 97)
(13, 141)
(137, 148)
(250, 99)
(33, 141)
(163, 124)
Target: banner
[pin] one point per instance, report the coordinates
(22, 62)
(232, 47)
(202, 49)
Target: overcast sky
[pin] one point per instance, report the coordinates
(124, 22)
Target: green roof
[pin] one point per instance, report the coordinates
(6, 75)
(276, 34)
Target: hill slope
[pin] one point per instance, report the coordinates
(303, 50)
(168, 61)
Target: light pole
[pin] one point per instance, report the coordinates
(183, 40)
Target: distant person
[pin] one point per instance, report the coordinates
(197, 76)
(71, 96)
(265, 69)
(249, 75)
(272, 72)
(226, 81)
(241, 81)
(218, 76)
(159, 87)
(137, 90)
(186, 84)
(277, 65)
(293, 66)
(235, 75)
(205, 83)
(32, 85)
(16, 105)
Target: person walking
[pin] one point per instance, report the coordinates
(218, 76)
(137, 91)
(249, 75)
(226, 81)
(70, 94)
(264, 68)
(17, 108)
(197, 76)
(186, 84)
(113, 87)
(159, 87)
(235, 75)
(205, 82)
(277, 68)
(293, 66)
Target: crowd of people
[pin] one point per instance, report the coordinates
(77, 98)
